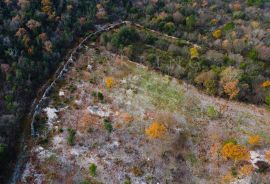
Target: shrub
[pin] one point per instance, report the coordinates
(254, 140)
(107, 125)
(231, 89)
(93, 170)
(124, 37)
(230, 74)
(127, 182)
(266, 84)
(100, 96)
(234, 151)
(217, 34)
(194, 52)
(190, 22)
(246, 169)
(71, 136)
(208, 80)
(255, 2)
(212, 112)
(267, 100)
(252, 54)
(151, 60)
(228, 26)
(169, 28)
(109, 82)
(156, 130)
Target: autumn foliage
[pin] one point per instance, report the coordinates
(231, 89)
(254, 140)
(194, 53)
(156, 130)
(234, 152)
(109, 82)
(246, 170)
(266, 84)
(217, 34)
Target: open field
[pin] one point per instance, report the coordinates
(115, 121)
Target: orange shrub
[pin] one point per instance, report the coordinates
(267, 155)
(246, 170)
(231, 89)
(234, 152)
(266, 84)
(254, 140)
(109, 82)
(156, 130)
(228, 178)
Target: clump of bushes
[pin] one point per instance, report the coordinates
(156, 130)
(93, 170)
(254, 140)
(125, 36)
(107, 125)
(71, 136)
(234, 151)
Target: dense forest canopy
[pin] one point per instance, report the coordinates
(34, 36)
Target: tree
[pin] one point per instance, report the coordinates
(124, 37)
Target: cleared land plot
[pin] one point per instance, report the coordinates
(114, 121)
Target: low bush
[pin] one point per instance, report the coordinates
(93, 170)
(71, 136)
(212, 112)
(107, 125)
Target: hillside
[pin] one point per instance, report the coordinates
(188, 80)
(114, 121)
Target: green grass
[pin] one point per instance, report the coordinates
(160, 90)
(212, 113)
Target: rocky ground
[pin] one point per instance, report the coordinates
(98, 121)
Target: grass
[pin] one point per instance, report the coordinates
(160, 90)
(212, 113)
(192, 159)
